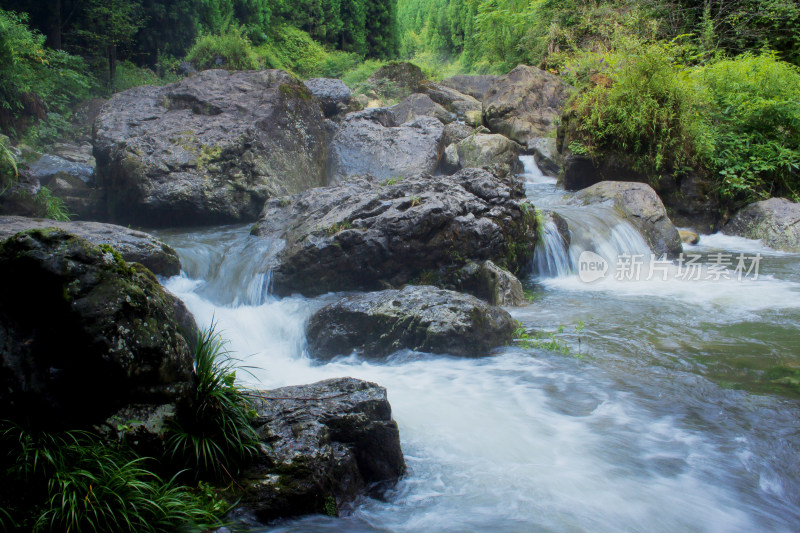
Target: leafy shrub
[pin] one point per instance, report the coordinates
(754, 103)
(129, 75)
(8, 165)
(214, 435)
(361, 72)
(638, 102)
(51, 206)
(294, 50)
(230, 50)
(35, 80)
(75, 482)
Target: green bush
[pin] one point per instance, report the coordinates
(35, 80)
(75, 482)
(214, 435)
(294, 50)
(129, 75)
(754, 104)
(637, 101)
(232, 47)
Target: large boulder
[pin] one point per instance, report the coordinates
(373, 142)
(492, 151)
(420, 105)
(524, 104)
(362, 235)
(465, 107)
(324, 446)
(209, 149)
(83, 332)
(639, 204)
(396, 80)
(474, 86)
(456, 132)
(421, 318)
(134, 246)
(775, 221)
(333, 95)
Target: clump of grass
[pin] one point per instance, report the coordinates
(51, 206)
(72, 481)
(214, 435)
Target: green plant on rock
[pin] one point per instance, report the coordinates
(8, 166)
(51, 206)
(73, 481)
(336, 228)
(214, 434)
(232, 49)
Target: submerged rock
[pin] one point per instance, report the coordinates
(373, 142)
(83, 332)
(639, 204)
(323, 446)
(134, 246)
(524, 104)
(775, 221)
(421, 318)
(689, 237)
(209, 149)
(364, 234)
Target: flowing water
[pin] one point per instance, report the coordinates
(672, 412)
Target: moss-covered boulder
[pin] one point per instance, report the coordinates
(209, 149)
(491, 151)
(421, 318)
(83, 332)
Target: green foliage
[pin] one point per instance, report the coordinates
(544, 341)
(214, 435)
(34, 79)
(636, 101)
(754, 104)
(8, 165)
(231, 47)
(74, 482)
(51, 206)
(357, 76)
(129, 75)
(294, 50)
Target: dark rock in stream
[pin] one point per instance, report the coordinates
(363, 235)
(420, 318)
(84, 333)
(134, 246)
(639, 204)
(323, 446)
(209, 149)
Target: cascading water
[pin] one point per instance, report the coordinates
(652, 426)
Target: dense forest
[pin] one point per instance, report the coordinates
(703, 86)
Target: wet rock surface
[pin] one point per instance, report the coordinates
(323, 446)
(420, 318)
(365, 234)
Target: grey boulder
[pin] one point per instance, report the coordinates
(775, 221)
(421, 318)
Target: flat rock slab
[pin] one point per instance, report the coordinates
(323, 446)
(775, 221)
(209, 149)
(134, 246)
(639, 204)
(365, 234)
(420, 318)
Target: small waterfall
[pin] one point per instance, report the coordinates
(235, 268)
(532, 173)
(551, 258)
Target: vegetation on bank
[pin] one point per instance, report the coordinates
(78, 481)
